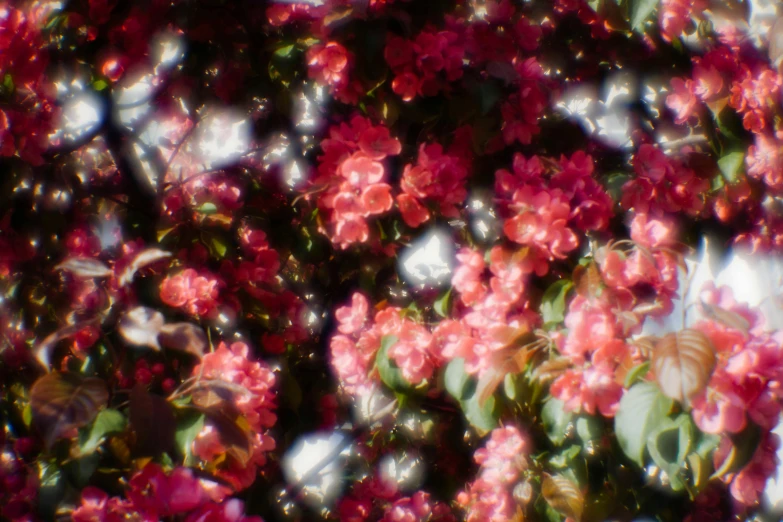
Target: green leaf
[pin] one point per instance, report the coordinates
(81, 470)
(641, 411)
(483, 417)
(285, 51)
(743, 445)
(669, 445)
(442, 305)
(636, 373)
(108, 421)
(588, 428)
(207, 208)
(188, 427)
(731, 164)
(556, 420)
(390, 374)
(510, 386)
(553, 302)
(50, 491)
(456, 379)
(563, 458)
(100, 85)
(218, 247)
(640, 11)
(8, 83)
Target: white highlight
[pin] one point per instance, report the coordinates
(428, 261)
(315, 463)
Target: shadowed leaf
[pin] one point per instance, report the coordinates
(184, 337)
(563, 496)
(62, 402)
(152, 419)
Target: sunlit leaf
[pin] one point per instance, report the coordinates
(189, 425)
(636, 373)
(640, 11)
(144, 258)
(553, 302)
(108, 421)
(556, 420)
(441, 305)
(587, 280)
(683, 363)
(152, 420)
(731, 164)
(484, 417)
(743, 446)
(85, 267)
(456, 379)
(185, 337)
(390, 374)
(563, 495)
(641, 411)
(141, 326)
(63, 402)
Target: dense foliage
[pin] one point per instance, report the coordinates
(400, 260)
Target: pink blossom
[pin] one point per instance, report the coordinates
(467, 276)
(592, 389)
(719, 409)
(653, 232)
(232, 510)
(411, 353)
(377, 199)
(352, 317)
(413, 213)
(682, 100)
(361, 170)
(153, 492)
(407, 85)
(377, 143)
(192, 291)
(328, 63)
(410, 509)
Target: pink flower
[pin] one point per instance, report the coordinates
(467, 276)
(652, 232)
(406, 85)
(361, 170)
(350, 231)
(377, 199)
(377, 143)
(593, 389)
(411, 353)
(504, 456)
(398, 51)
(328, 63)
(97, 506)
(410, 509)
(719, 409)
(352, 318)
(682, 100)
(157, 494)
(231, 510)
(413, 213)
(195, 293)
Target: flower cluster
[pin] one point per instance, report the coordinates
(438, 177)
(195, 293)
(502, 461)
(153, 494)
(252, 384)
(352, 176)
(426, 64)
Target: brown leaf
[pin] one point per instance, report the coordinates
(141, 327)
(645, 345)
(726, 317)
(549, 370)
(43, 350)
(85, 267)
(587, 280)
(210, 393)
(683, 363)
(185, 337)
(142, 259)
(62, 402)
(563, 496)
(152, 419)
(234, 431)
